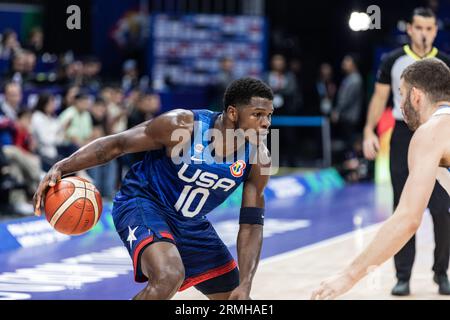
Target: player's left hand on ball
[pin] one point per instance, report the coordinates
(333, 287)
(240, 293)
(50, 179)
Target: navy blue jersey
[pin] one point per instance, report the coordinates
(193, 187)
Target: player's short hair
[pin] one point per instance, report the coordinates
(241, 91)
(430, 75)
(422, 12)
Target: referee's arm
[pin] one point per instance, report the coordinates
(376, 108)
(377, 105)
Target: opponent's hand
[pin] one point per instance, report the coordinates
(371, 145)
(333, 287)
(50, 179)
(240, 293)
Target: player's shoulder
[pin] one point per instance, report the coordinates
(179, 122)
(393, 55)
(429, 135)
(177, 118)
(444, 57)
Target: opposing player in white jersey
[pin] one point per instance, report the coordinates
(425, 92)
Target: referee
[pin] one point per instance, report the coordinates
(422, 31)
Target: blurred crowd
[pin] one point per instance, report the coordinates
(70, 106)
(338, 95)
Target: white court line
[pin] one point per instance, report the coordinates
(320, 244)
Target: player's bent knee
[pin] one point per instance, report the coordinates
(162, 264)
(170, 276)
(163, 283)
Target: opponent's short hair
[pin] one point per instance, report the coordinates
(241, 91)
(431, 76)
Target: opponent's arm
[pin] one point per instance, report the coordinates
(424, 156)
(443, 176)
(250, 234)
(150, 135)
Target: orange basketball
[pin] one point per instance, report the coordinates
(73, 206)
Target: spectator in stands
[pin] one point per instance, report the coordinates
(24, 166)
(225, 76)
(106, 95)
(47, 130)
(130, 75)
(147, 107)
(131, 80)
(22, 68)
(77, 121)
(131, 99)
(13, 98)
(36, 41)
(99, 120)
(295, 66)
(91, 70)
(104, 176)
(283, 84)
(30, 62)
(10, 44)
(69, 98)
(22, 135)
(326, 88)
(117, 112)
(347, 113)
(71, 74)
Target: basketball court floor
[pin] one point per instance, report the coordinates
(305, 240)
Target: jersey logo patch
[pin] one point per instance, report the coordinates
(237, 168)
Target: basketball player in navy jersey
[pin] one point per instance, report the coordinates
(159, 211)
(425, 104)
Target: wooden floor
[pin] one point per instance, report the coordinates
(305, 268)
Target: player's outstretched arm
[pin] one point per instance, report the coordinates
(150, 135)
(250, 234)
(443, 176)
(424, 155)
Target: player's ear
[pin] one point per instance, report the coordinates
(417, 95)
(232, 113)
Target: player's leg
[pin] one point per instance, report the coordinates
(161, 263)
(220, 288)
(209, 265)
(404, 259)
(439, 205)
(219, 296)
(151, 245)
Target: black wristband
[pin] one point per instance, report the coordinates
(251, 215)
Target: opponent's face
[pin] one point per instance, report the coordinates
(409, 106)
(254, 118)
(422, 28)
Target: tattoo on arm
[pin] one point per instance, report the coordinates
(100, 152)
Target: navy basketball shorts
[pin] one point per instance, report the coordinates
(208, 264)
